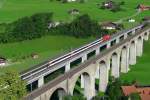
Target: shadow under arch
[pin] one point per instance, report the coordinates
(58, 94)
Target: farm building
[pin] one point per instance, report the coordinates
(109, 25)
(74, 12)
(2, 61)
(53, 24)
(141, 7)
(144, 92)
(71, 0)
(108, 4)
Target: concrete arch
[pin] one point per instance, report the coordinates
(115, 60)
(139, 46)
(89, 84)
(103, 76)
(132, 53)
(124, 59)
(58, 94)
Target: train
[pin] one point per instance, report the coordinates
(106, 38)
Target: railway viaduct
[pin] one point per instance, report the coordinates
(121, 51)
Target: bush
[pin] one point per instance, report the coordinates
(135, 96)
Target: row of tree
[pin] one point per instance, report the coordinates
(36, 26)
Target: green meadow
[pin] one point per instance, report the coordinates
(11, 10)
(19, 54)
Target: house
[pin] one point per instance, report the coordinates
(34, 55)
(144, 92)
(71, 0)
(53, 24)
(108, 4)
(2, 61)
(74, 12)
(109, 25)
(142, 7)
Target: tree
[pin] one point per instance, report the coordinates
(11, 86)
(135, 96)
(83, 26)
(114, 91)
(74, 97)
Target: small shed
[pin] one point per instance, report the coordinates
(142, 7)
(3, 61)
(53, 24)
(108, 4)
(34, 55)
(109, 25)
(74, 12)
(71, 0)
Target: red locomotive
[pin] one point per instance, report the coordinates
(106, 37)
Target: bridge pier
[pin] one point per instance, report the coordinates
(124, 60)
(67, 67)
(97, 71)
(139, 46)
(103, 77)
(97, 50)
(117, 40)
(132, 57)
(108, 45)
(125, 35)
(115, 65)
(89, 86)
(84, 58)
(133, 31)
(128, 54)
(41, 81)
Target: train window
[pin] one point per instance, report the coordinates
(121, 38)
(91, 54)
(75, 63)
(129, 33)
(113, 42)
(103, 48)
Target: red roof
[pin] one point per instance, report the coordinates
(143, 7)
(127, 90)
(145, 97)
(144, 92)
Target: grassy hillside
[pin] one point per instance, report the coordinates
(11, 10)
(141, 70)
(46, 47)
